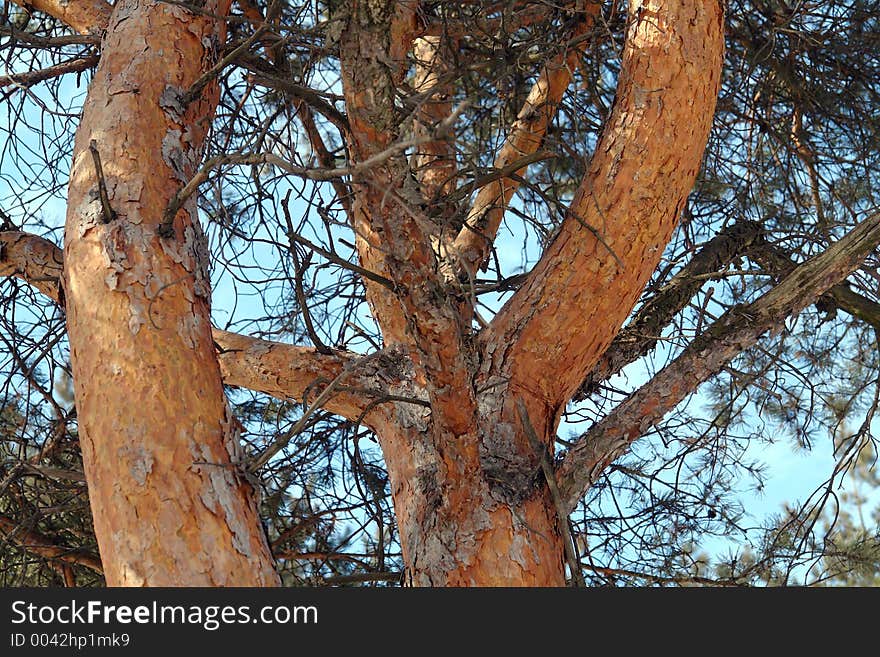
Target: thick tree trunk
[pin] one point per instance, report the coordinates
(473, 510)
(158, 442)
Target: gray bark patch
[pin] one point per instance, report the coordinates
(512, 475)
(171, 102)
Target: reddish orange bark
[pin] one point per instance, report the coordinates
(471, 511)
(159, 445)
(84, 16)
(282, 370)
(627, 206)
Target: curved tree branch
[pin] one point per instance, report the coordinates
(627, 205)
(778, 263)
(744, 238)
(84, 16)
(735, 331)
(35, 260)
(33, 77)
(289, 372)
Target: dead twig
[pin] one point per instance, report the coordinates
(108, 213)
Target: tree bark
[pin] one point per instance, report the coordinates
(160, 447)
(643, 331)
(473, 511)
(627, 206)
(84, 16)
(281, 370)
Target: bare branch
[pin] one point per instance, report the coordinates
(33, 77)
(358, 578)
(518, 16)
(281, 370)
(35, 260)
(475, 239)
(201, 175)
(550, 477)
(84, 16)
(332, 257)
(50, 42)
(109, 214)
(325, 158)
(737, 330)
(264, 74)
(208, 76)
(349, 371)
(778, 263)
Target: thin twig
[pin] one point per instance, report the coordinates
(50, 42)
(657, 579)
(201, 176)
(279, 444)
(342, 262)
(299, 272)
(497, 174)
(309, 96)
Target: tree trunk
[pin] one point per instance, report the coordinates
(158, 441)
(474, 510)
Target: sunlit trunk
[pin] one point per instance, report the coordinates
(474, 510)
(159, 444)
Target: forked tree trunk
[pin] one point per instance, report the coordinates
(474, 510)
(157, 438)
(472, 503)
(471, 499)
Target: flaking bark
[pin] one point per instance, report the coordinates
(159, 445)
